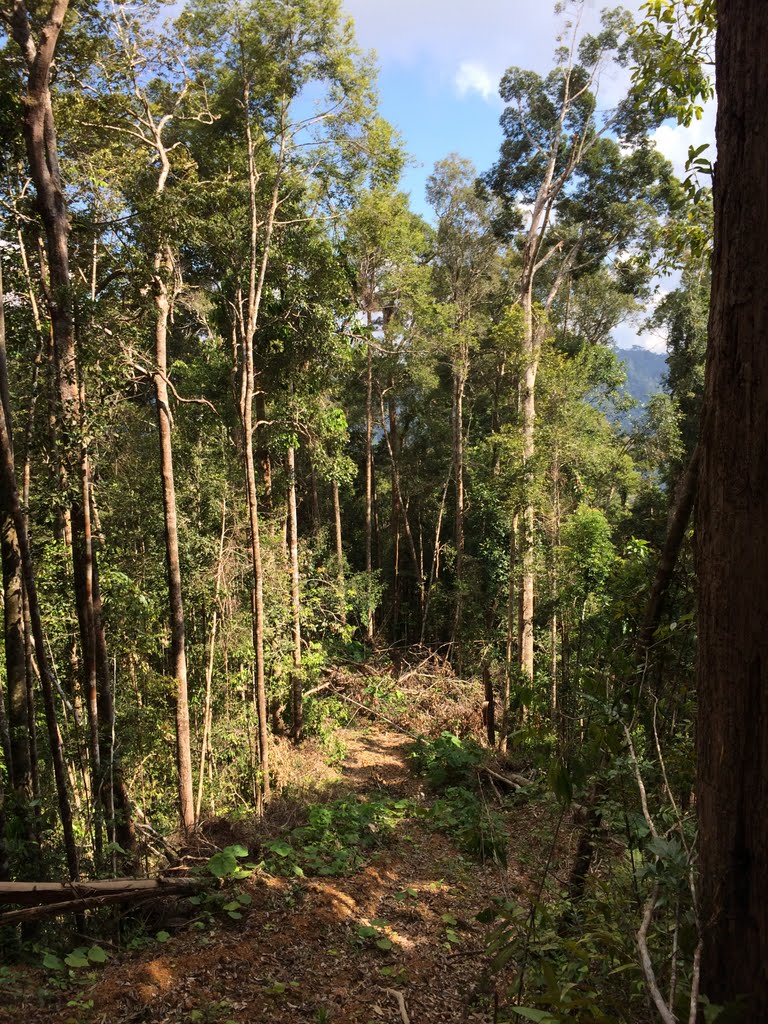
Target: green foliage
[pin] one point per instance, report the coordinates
(224, 864)
(337, 837)
(447, 760)
(465, 817)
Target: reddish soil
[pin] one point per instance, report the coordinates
(296, 956)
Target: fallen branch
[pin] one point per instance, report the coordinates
(376, 714)
(512, 780)
(401, 1004)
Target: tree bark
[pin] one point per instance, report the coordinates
(731, 534)
(293, 548)
(173, 560)
(509, 658)
(339, 553)
(208, 708)
(679, 517)
(459, 383)
(19, 763)
(9, 502)
(369, 482)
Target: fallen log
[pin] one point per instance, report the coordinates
(511, 781)
(34, 894)
(88, 903)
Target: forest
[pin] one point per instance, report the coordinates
(369, 653)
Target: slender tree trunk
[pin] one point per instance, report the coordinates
(293, 547)
(731, 534)
(173, 561)
(339, 553)
(554, 581)
(208, 709)
(315, 507)
(248, 321)
(82, 558)
(509, 652)
(369, 482)
(679, 516)
(527, 517)
(400, 508)
(459, 383)
(489, 705)
(262, 454)
(434, 568)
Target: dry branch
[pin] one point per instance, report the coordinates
(511, 780)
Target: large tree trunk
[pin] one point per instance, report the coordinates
(19, 764)
(173, 562)
(9, 503)
(732, 532)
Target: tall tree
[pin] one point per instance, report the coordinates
(732, 540)
(585, 199)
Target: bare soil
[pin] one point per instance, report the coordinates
(296, 956)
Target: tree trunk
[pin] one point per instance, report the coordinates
(293, 548)
(679, 516)
(173, 562)
(262, 454)
(459, 382)
(489, 706)
(509, 659)
(527, 553)
(9, 503)
(369, 484)
(19, 762)
(732, 539)
(207, 711)
(339, 553)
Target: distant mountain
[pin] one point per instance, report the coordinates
(644, 372)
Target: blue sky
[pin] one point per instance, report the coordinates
(440, 63)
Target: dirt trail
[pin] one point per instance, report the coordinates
(296, 955)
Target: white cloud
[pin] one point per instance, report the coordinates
(473, 77)
(438, 34)
(673, 140)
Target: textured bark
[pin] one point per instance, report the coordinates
(19, 761)
(9, 501)
(732, 532)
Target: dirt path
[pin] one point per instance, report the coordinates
(297, 956)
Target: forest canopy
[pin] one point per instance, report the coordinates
(280, 455)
